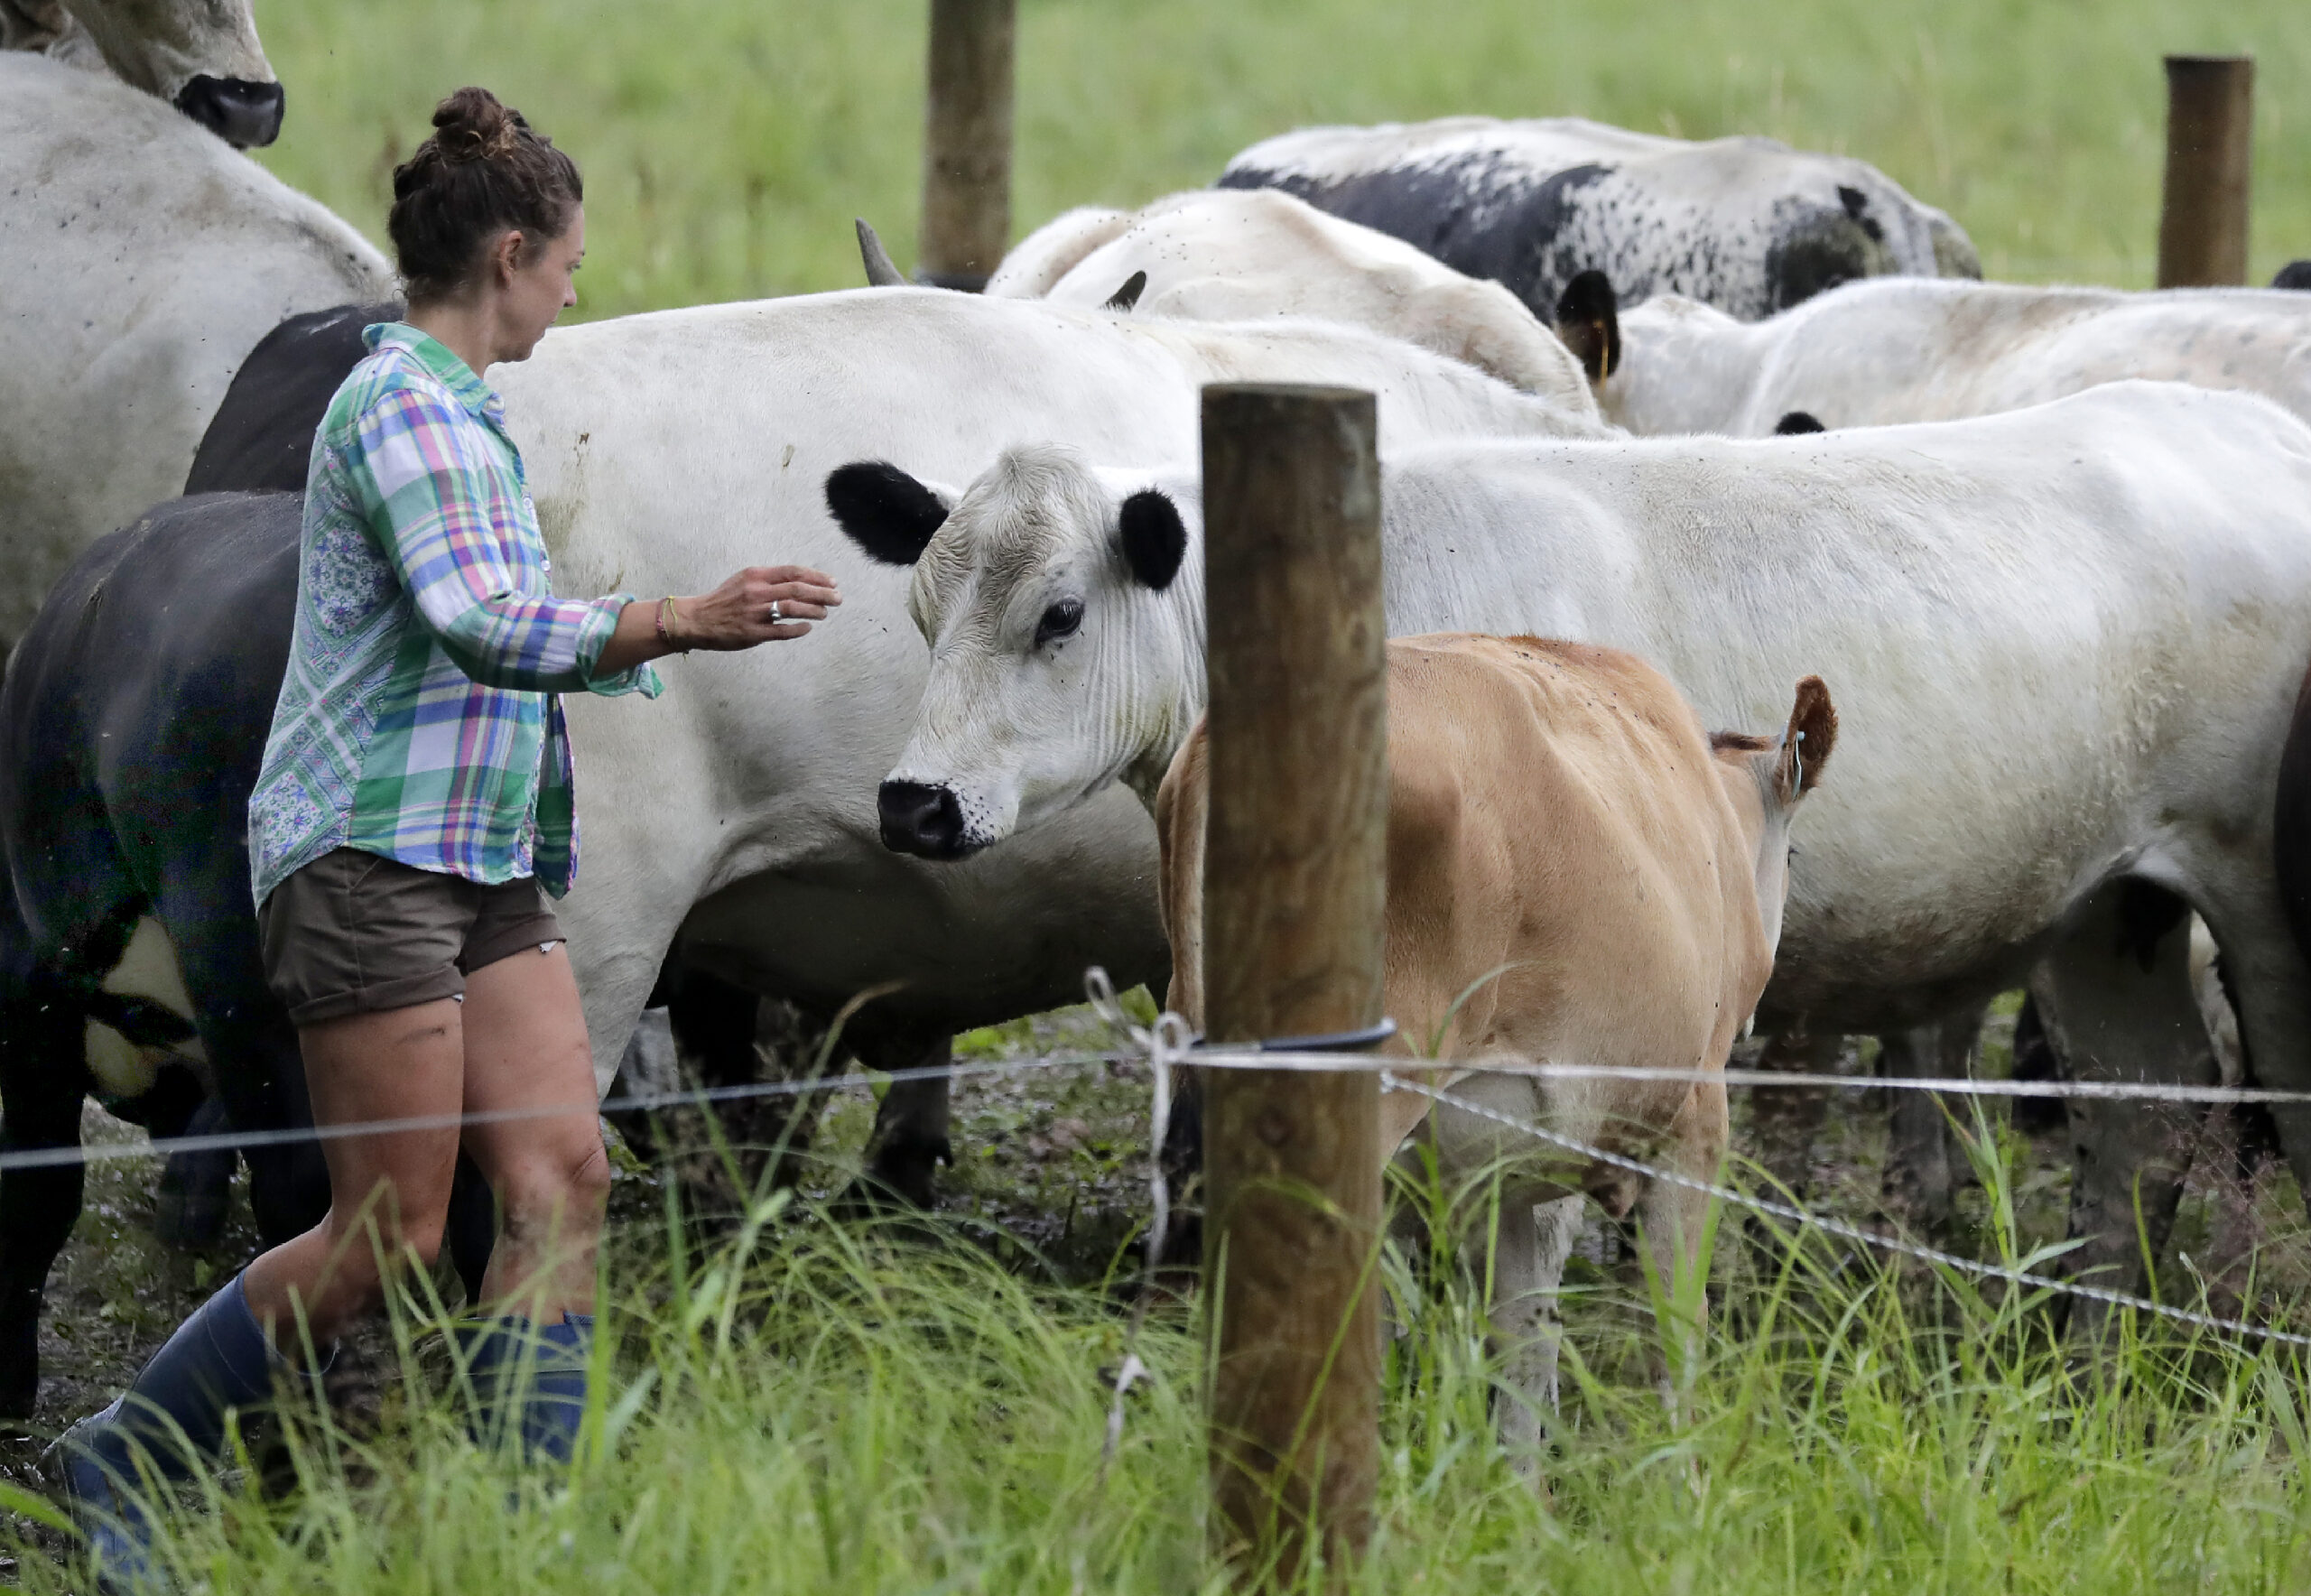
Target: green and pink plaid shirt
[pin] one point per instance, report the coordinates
(421, 717)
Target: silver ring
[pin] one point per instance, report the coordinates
(775, 614)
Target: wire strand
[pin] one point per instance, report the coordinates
(1390, 1082)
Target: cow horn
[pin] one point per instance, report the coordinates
(1124, 298)
(880, 271)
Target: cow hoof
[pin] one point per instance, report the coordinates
(900, 1176)
(190, 1217)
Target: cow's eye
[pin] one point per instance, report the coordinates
(1060, 622)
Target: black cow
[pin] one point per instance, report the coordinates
(1748, 225)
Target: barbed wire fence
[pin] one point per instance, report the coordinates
(1164, 1046)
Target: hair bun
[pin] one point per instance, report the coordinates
(474, 125)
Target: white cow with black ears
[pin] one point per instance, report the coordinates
(200, 56)
(2066, 642)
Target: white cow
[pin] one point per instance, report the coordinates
(139, 261)
(740, 811)
(202, 56)
(1223, 255)
(2066, 643)
(1896, 349)
(1749, 225)
(1890, 350)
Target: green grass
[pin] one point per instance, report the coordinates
(815, 1409)
(728, 145)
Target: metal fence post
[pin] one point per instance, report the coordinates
(1295, 887)
(967, 142)
(2209, 149)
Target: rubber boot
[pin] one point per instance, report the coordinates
(171, 1414)
(530, 1382)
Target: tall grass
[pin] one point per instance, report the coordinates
(807, 1407)
(727, 145)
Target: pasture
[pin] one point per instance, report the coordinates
(727, 147)
(799, 1400)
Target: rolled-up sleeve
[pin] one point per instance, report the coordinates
(433, 515)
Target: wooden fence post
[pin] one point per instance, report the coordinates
(1294, 885)
(967, 142)
(2210, 150)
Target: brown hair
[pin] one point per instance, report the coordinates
(483, 171)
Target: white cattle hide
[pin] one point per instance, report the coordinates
(140, 260)
(158, 46)
(1901, 349)
(1225, 255)
(2065, 640)
(666, 450)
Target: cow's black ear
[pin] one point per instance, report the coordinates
(1155, 538)
(1588, 321)
(1799, 421)
(885, 512)
(1124, 298)
(2294, 274)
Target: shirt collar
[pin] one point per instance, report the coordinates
(437, 358)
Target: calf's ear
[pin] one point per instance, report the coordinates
(1589, 323)
(1155, 538)
(1805, 745)
(888, 514)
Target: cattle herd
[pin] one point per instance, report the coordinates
(1734, 428)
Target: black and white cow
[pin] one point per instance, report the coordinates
(1748, 225)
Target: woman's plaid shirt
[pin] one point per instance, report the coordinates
(421, 717)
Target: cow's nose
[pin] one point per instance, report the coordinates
(922, 820)
(241, 113)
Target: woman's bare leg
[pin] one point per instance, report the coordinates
(526, 1047)
(400, 1063)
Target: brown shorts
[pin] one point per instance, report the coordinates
(354, 932)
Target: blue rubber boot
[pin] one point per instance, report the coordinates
(530, 1382)
(172, 1414)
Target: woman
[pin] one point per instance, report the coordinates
(414, 811)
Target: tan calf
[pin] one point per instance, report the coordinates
(1577, 872)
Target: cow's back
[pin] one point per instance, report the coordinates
(134, 713)
(1568, 881)
(1745, 224)
(1556, 818)
(1884, 353)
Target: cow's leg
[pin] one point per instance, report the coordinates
(1676, 1219)
(260, 1075)
(196, 1188)
(725, 1036)
(2269, 981)
(2034, 1059)
(1919, 1178)
(1526, 1270)
(2116, 995)
(911, 1137)
(41, 1087)
(1785, 1120)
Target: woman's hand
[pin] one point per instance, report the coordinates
(737, 615)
